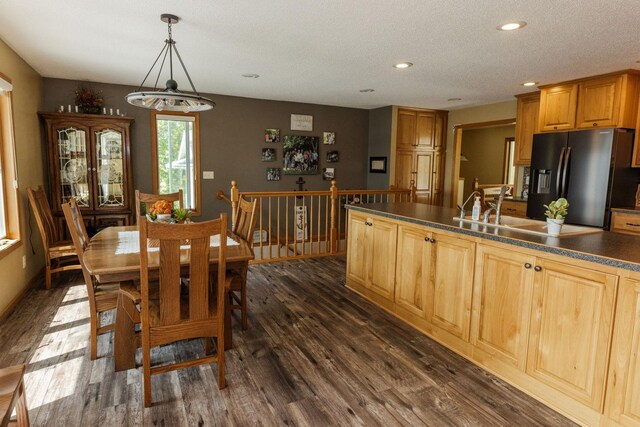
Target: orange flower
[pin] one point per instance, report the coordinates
(161, 207)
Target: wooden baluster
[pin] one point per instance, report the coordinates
(334, 230)
(278, 229)
(235, 196)
(326, 224)
(319, 224)
(304, 222)
(269, 233)
(311, 251)
(260, 227)
(286, 224)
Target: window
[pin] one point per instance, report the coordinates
(176, 153)
(9, 226)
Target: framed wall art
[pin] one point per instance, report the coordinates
(268, 155)
(273, 174)
(301, 122)
(328, 174)
(377, 165)
(332, 156)
(328, 138)
(272, 135)
(300, 154)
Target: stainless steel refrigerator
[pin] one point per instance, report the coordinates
(590, 168)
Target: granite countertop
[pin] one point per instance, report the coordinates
(632, 210)
(613, 249)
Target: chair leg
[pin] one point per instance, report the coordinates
(124, 348)
(221, 380)
(94, 336)
(146, 375)
(243, 297)
(22, 412)
(48, 274)
(208, 346)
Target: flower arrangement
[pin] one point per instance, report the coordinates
(558, 209)
(88, 100)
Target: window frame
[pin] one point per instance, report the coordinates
(10, 202)
(196, 153)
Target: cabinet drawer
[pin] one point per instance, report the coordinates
(511, 208)
(625, 223)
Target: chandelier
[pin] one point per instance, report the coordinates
(170, 98)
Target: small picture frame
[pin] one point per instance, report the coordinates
(273, 174)
(303, 122)
(333, 156)
(268, 155)
(377, 165)
(328, 174)
(272, 135)
(328, 138)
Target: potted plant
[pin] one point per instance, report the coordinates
(556, 213)
(182, 215)
(90, 102)
(162, 210)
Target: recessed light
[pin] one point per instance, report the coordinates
(367, 90)
(510, 26)
(403, 65)
(529, 84)
(251, 76)
(454, 99)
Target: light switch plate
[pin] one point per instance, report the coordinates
(207, 175)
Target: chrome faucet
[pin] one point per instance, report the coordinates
(497, 207)
(462, 212)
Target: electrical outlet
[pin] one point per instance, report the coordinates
(24, 261)
(207, 175)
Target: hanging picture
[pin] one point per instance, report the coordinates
(268, 155)
(328, 174)
(302, 122)
(332, 156)
(273, 174)
(328, 138)
(272, 135)
(300, 155)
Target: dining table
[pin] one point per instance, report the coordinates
(113, 255)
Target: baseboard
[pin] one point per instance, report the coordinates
(12, 305)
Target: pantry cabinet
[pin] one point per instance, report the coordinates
(420, 140)
(528, 108)
(571, 327)
(502, 303)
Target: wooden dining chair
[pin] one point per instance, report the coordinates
(59, 254)
(102, 297)
(244, 226)
(12, 396)
(150, 199)
(172, 316)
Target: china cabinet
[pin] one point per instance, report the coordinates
(89, 159)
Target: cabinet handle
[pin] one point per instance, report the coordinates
(432, 240)
(555, 127)
(426, 239)
(368, 223)
(633, 225)
(595, 124)
(537, 268)
(527, 265)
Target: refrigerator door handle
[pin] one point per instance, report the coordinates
(565, 168)
(558, 181)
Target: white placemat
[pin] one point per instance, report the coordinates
(129, 243)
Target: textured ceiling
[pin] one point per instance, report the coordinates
(324, 52)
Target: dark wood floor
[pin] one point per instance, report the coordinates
(314, 354)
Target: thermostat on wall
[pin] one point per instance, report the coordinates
(207, 175)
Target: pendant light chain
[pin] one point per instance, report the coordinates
(171, 44)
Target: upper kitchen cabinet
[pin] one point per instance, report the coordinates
(526, 126)
(420, 140)
(602, 101)
(558, 107)
(635, 162)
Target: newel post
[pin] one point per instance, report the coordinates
(413, 191)
(235, 196)
(333, 237)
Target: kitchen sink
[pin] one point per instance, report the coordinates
(528, 226)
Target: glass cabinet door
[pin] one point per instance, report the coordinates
(110, 168)
(73, 165)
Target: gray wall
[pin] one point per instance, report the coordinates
(379, 145)
(231, 139)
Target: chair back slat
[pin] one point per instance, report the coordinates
(197, 236)
(73, 218)
(246, 219)
(149, 199)
(44, 217)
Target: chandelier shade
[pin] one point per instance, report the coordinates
(169, 98)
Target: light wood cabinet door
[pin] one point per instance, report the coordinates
(357, 248)
(502, 303)
(558, 107)
(440, 132)
(623, 392)
(635, 161)
(412, 269)
(380, 259)
(571, 327)
(406, 133)
(425, 128)
(526, 125)
(424, 170)
(599, 102)
(450, 289)
(405, 168)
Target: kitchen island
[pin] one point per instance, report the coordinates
(537, 311)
